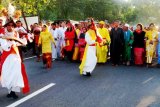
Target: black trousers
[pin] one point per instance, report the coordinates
(69, 54)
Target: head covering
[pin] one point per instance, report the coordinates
(126, 25)
(102, 22)
(10, 21)
(47, 29)
(13, 38)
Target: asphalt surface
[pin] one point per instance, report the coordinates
(107, 87)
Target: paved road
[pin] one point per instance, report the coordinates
(108, 87)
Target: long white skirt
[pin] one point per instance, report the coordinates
(11, 77)
(91, 60)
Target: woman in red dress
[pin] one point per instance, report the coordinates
(70, 36)
(139, 45)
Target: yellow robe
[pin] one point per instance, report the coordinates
(151, 48)
(45, 40)
(89, 59)
(102, 50)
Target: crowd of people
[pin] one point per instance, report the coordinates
(91, 43)
(86, 42)
(119, 43)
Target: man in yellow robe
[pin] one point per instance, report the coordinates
(102, 50)
(151, 43)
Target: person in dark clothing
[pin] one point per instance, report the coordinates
(117, 43)
(139, 45)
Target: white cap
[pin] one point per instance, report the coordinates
(126, 25)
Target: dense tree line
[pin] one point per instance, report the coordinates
(131, 11)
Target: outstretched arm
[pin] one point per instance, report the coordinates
(52, 39)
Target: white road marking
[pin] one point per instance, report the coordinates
(31, 95)
(29, 57)
(149, 79)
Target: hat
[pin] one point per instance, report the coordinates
(102, 22)
(10, 21)
(126, 25)
(13, 38)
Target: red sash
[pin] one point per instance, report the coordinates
(4, 55)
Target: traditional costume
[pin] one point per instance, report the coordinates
(45, 40)
(89, 60)
(103, 50)
(82, 45)
(128, 41)
(12, 70)
(151, 44)
(139, 46)
(70, 42)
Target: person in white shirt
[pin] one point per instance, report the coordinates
(55, 35)
(48, 23)
(22, 34)
(62, 30)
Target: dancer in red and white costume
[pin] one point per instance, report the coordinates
(12, 71)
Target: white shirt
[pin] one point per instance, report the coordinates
(62, 32)
(49, 28)
(13, 33)
(20, 29)
(54, 33)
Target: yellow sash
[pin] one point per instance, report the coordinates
(83, 60)
(92, 34)
(93, 37)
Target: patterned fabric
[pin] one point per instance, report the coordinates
(47, 59)
(151, 36)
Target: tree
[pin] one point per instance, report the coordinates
(133, 11)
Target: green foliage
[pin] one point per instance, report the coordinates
(133, 11)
